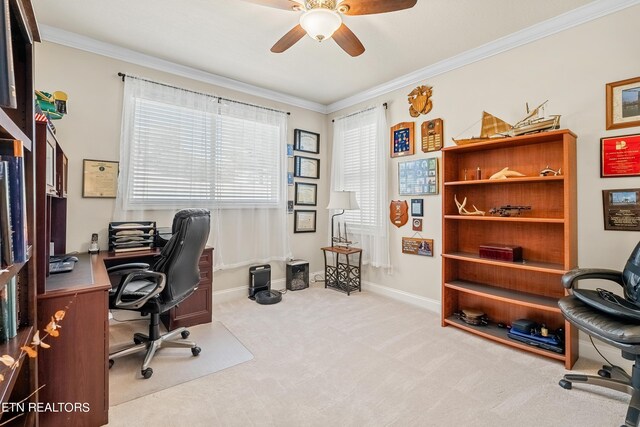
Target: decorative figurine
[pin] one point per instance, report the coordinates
(463, 211)
(504, 174)
(419, 100)
(549, 172)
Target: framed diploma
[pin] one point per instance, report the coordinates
(306, 167)
(99, 178)
(306, 194)
(306, 141)
(621, 209)
(620, 156)
(304, 221)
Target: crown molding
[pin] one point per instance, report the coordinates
(573, 18)
(77, 41)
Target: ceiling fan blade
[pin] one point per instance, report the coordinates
(289, 39)
(368, 7)
(348, 41)
(279, 4)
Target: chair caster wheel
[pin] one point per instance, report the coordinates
(111, 362)
(196, 351)
(185, 334)
(146, 373)
(136, 341)
(604, 373)
(565, 384)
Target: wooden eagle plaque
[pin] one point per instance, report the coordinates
(399, 212)
(420, 100)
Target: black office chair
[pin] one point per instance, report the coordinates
(612, 319)
(172, 279)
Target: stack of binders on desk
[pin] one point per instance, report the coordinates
(132, 236)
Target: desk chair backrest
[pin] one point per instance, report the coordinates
(180, 257)
(631, 276)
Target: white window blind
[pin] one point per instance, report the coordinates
(359, 168)
(171, 156)
(247, 163)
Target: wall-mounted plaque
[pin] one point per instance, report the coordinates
(431, 133)
(417, 246)
(621, 209)
(399, 212)
(620, 156)
(402, 139)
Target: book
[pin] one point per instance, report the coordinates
(6, 249)
(7, 75)
(12, 152)
(12, 308)
(4, 313)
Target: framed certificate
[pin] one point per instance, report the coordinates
(99, 178)
(306, 167)
(306, 194)
(620, 156)
(306, 141)
(304, 221)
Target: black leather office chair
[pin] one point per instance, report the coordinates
(612, 319)
(172, 279)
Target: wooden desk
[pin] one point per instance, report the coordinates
(76, 367)
(342, 275)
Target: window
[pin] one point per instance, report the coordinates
(359, 163)
(206, 153)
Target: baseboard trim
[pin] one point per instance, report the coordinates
(406, 297)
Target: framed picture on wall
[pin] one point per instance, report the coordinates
(304, 221)
(306, 167)
(623, 103)
(402, 143)
(306, 194)
(306, 141)
(417, 207)
(99, 178)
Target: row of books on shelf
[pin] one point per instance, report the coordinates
(10, 309)
(13, 214)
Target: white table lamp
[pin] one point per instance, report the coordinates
(343, 201)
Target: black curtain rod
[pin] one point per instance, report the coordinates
(123, 75)
(359, 112)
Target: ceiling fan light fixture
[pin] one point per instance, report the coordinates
(320, 24)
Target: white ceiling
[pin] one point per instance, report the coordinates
(232, 38)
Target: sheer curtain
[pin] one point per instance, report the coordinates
(182, 149)
(359, 163)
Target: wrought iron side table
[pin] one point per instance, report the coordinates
(342, 269)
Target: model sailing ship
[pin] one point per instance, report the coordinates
(493, 127)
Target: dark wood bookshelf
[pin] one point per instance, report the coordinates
(18, 124)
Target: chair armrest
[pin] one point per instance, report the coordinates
(570, 277)
(159, 279)
(128, 266)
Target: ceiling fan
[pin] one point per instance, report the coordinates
(322, 19)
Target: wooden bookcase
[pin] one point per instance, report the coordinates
(507, 291)
(18, 124)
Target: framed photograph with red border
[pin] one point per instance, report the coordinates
(620, 156)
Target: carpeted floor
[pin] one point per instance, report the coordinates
(322, 358)
(171, 366)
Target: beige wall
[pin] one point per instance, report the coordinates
(91, 130)
(570, 69)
